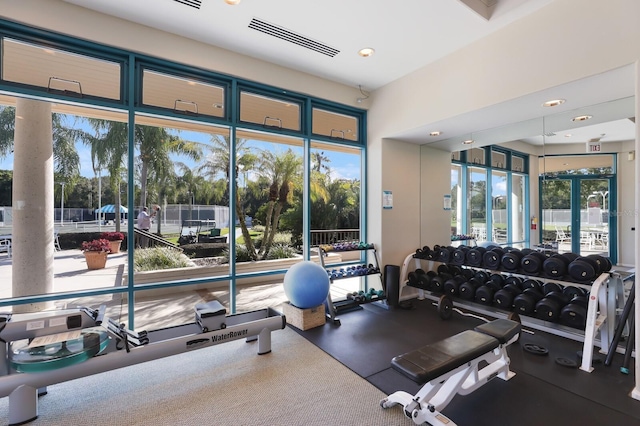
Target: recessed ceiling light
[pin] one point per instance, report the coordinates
(568, 135)
(468, 142)
(565, 164)
(581, 118)
(435, 133)
(366, 52)
(553, 102)
(232, 2)
(219, 106)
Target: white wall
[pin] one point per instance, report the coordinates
(58, 16)
(562, 42)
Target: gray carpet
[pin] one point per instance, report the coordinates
(228, 384)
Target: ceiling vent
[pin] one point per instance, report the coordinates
(193, 3)
(291, 37)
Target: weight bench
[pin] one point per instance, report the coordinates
(450, 367)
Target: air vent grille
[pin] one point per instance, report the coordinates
(193, 3)
(291, 37)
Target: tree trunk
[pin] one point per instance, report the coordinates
(245, 232)
(267, 242)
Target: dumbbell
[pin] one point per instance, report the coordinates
(510, 260)
(467, 290)
(433, 253)
(474, 256)
(513, 281)
(422, 253)
(572, 291)
(525, 302)
(484, 294)
(504, 297)
(532, 283)
(556, 265)
(437, 282)
(445, 254)
(584, 268)
(460, 255)
(492, 258)
(550, 306)
(455, 270)
(452, 285)
(531, 263)
(424, 279)
(574, 313)
(497, 280)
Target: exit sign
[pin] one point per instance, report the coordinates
(594, 147)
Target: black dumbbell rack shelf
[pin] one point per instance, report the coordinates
(353, 276)
(605, 299)
(334, 308)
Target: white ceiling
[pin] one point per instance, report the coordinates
(406, 36)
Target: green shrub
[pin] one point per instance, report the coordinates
(242, 254)
(281, 251)
(283, 238)
(156, 258)
(257, 228)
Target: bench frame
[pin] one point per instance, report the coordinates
(426, 405)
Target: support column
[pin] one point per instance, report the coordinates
(32, 234)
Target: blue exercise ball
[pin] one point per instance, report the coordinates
(306, 284)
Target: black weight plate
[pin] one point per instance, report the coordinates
(566, 362)
(445, 307)
(535, 349)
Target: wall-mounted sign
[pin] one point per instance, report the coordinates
(447, 201)
(594, 147)
(387, 200)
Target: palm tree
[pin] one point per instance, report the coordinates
(155, 144)
(218, 162)
(282, 169)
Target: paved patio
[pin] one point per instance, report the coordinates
(155, 311)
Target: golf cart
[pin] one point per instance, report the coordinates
(189, 232)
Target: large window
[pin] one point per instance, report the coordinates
(228, 206)
(493, 196)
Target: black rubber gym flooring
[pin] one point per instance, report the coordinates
(541, 393)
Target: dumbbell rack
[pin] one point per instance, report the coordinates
(606, 300)
(340, 306)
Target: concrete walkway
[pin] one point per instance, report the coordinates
(154, 311)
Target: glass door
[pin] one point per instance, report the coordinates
(575, 215)
(593, 237)
(556, 213)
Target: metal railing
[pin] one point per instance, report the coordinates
(330, 236)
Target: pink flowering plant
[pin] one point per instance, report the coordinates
(112, 236)
(96, 245)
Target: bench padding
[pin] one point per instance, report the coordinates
(431, 361)
(502, 329)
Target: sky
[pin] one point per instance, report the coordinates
(343, 165)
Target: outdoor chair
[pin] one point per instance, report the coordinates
(5, 246)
